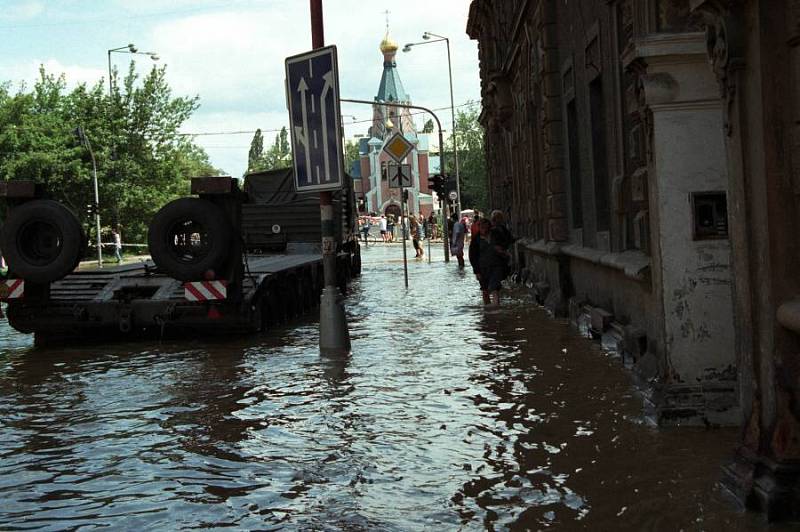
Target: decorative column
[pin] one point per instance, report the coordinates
(751, 53)
(557, 226)
(375, 145)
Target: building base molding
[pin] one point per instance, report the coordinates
(548, 270)
(763, 484)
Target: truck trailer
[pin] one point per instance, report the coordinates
(226, 260)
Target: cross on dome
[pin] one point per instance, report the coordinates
(388, 45)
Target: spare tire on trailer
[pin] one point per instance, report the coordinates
(42, 241)
(188, 237)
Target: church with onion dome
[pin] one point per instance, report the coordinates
(376, 165)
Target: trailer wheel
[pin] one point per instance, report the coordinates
(42, 241)
(188, 237)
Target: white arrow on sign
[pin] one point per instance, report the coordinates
(302, 133)
(312, 78)
(328, 77)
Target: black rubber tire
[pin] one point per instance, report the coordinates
(42, 241)
(215, 227)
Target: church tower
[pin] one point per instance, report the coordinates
(386, 119)
(378, 196)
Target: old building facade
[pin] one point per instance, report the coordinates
(754, 48)
(644, 150)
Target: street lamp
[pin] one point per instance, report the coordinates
(353, 120)
(439, 38)
(127, 49)
(84, 140)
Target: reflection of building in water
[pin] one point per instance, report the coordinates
(647, 152)
(376, 165)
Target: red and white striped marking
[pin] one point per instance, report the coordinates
(205, 290)
(12, 289)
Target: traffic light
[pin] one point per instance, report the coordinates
(436, 184)
(432, 182)
(448, 184)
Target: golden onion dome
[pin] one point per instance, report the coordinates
(388, 44)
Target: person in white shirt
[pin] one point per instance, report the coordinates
(117, 245)
(384, 228)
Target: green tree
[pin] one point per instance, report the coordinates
(471, 160)
(428, 127)
(279, 155)
(256, 151)
(350, 154)
(151, 155)
(142, 159)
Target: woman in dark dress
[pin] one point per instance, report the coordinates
(496, 256)
(479, 246)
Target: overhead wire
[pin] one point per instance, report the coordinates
(346, 124)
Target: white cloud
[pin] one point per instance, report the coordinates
(21, 11)
(227, 58)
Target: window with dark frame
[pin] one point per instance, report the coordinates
(710, 215)
(597, 114)
(576, 192)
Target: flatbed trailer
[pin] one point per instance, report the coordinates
(131, 299)
(272, 271)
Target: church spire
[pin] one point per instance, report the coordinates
(388, 45)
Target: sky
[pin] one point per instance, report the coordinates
(231, 54)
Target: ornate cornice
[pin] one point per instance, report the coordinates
(724, 45)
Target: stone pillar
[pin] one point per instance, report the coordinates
(375, 174)
(417, 186)
(691, 258)
(557, 228)
(750, 47)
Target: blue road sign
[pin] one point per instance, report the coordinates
(312, 87)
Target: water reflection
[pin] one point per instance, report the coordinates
(444, 415)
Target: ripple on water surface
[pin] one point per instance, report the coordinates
(443, 415)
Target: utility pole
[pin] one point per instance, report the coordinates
(84, 140)
(334, 338)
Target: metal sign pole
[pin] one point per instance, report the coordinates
(430, 237)
(445, 232)
(334, 338)
(403, 218)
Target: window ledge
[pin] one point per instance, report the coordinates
(633, 264)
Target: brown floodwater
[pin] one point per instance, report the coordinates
(445, 416)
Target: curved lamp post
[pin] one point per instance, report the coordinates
(127, 49)
(428, 39)
(84, 140)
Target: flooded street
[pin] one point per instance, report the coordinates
(445, 416)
